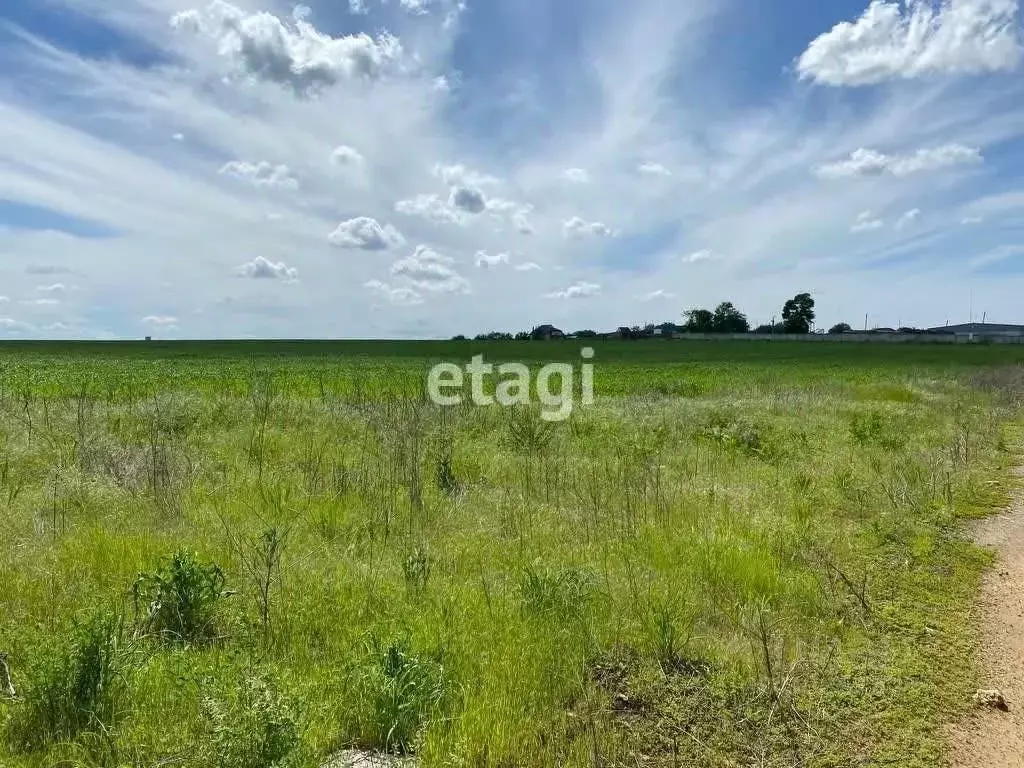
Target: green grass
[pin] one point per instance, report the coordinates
(235, 554)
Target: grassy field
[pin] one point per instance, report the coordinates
(253, 554)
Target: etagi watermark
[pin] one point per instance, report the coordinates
(515, 386)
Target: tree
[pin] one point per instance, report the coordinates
(838, 328)
(798, 314)
(699, 321)
(728, 319)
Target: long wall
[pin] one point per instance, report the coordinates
(886, 338)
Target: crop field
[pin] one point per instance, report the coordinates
(256, 554)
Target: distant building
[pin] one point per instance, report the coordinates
(546, 333)
(979, 329)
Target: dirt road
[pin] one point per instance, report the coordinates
(990, 737)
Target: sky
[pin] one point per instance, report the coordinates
(423, 168)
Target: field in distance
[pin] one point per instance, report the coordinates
(242, 554)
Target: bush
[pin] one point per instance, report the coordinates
(76, 689)
(254, 727)
(560, 594)
(181, 600)
(399, 692)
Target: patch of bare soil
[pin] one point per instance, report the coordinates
(993, 734)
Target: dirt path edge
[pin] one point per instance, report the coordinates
(990, 737)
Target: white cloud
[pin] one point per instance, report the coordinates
(41, 302)
(457, 174)
(366, 234)
(264, 269)
(261, 174)
(178, 137)
(654, 169)
(527, 266)
(576, 176)
(347, 157)
(866, 222)
(54, 288)
(582, 290)
(968, 220)
(521, 221)
(10, 324)
(261, 46)
(909, 217)
(657, 295)
(468, 199)
(868, 162)
(430, 207)
(485, 260)
(357, 7)
(430, 271)
(698, 256)
(893, 40)
(576, 228)
(397, 295)
(160, 321)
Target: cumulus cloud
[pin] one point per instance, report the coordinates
(968, 220)
(468, 199)
(913, 39)
(457, 174)
(527, 266)
(521, 221)
(264, 269)
(54, 288)
(366, 234)
(430, 271)
(866, 222)
(10, 324)
(908, 218)
(698, 256)
(294, 54)
(160, 321)
(657, 295)
(347, 157)
(430, 207)
(485, 260)
(397, 295)
(868, 162)
(576, 228)
(582, 290)
(576, 176)
(261, 174)
(654, 169)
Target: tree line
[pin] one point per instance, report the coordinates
(797, 318)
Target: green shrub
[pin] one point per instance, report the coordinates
(562, 593)
(254, 727)
(77, 688)
(399, 692)
(179, 602)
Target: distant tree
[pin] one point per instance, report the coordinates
(460, 337)
(586, 334)
(523, 336)
(699, 321)
(798, 314)
(728, 319)
(838, 328)
(494, 336)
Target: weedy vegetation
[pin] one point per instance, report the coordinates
(245, 555)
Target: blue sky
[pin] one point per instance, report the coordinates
(374, 168)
